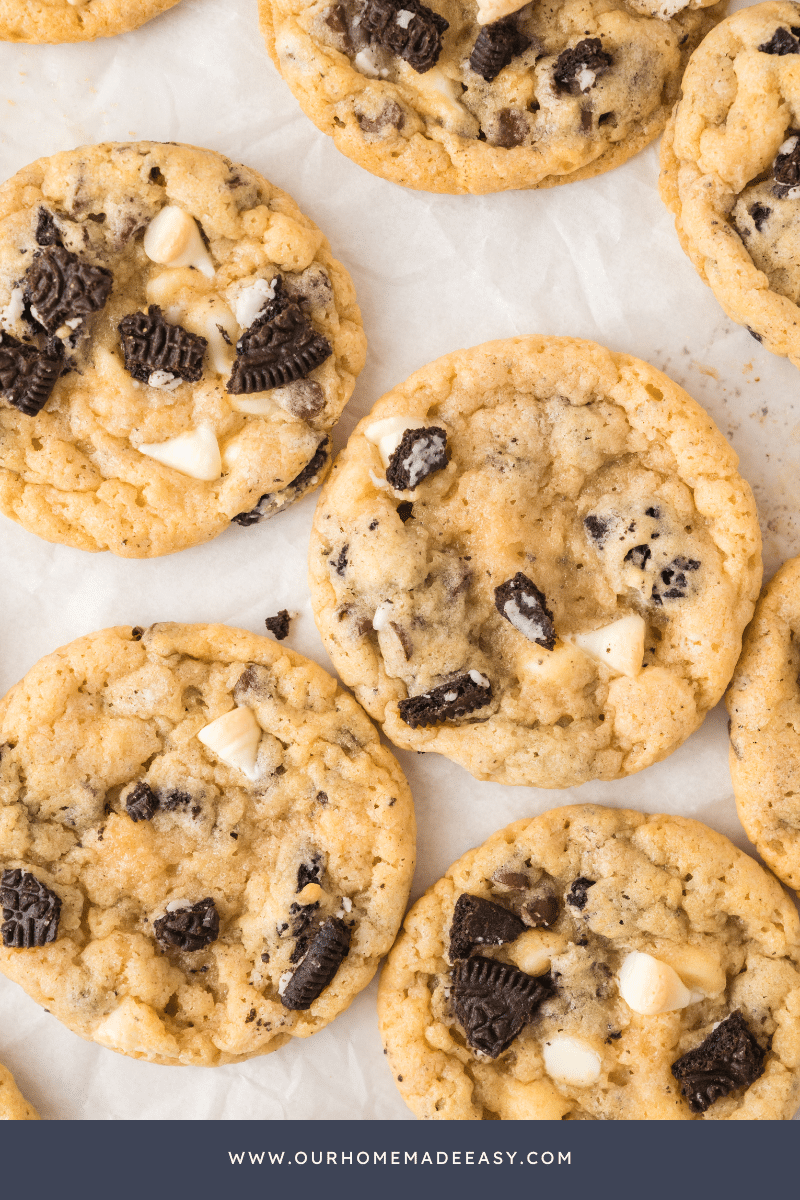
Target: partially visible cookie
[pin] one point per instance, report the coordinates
(600, 964)
(176, 344)
(13, 1105)
(730, 170)
(74, 20)
(206, 849)
(459, 96)
(537, 558)
(764, 705)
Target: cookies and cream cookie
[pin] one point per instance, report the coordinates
(13, 1105)
(597, 963)
(730, 163)
(459, 96)
(176, 343)
(537, 558)
(764, 705)
(205, 851)
(74, 20)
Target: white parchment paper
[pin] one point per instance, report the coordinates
(598, 259)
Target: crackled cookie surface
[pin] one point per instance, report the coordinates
(764, 706)
(730, 163)
(74, 20)
(205, 849)
(599, 964)
(462, 96)
(13, 1105)
(537, 558)
(176, 343)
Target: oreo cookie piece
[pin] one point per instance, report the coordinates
(577, 70)
(30, 910)
(673, 583)
(151, 344)
(324, 957)
(598, 528)
(279, 625)
(191, 928)
(494, 1002)
(421, 452)
(783, 42)
(525, 607)
(759, 214)
(142, 803)
(729, 1058)
(495, 47)
(29, 374)
(479, 922)
(272, 501)
(279, 347)
(406, 28)
(60, 289)
(577, 894)
(310, 872)
(46, 229)
(786, 167)
(462, 695)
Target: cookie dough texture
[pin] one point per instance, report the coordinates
(74, 20)
(739, 105)
(328, 809)
(13, 1105)
(449, 130)
(74, 472)
(764, 706)
(597, 478)
(664, 886)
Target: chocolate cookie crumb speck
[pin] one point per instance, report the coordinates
(279, 625)
(577, 894)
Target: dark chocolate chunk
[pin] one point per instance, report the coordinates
(58, 287)
(782, 42)
(421, 452)
(339, 564)
(577, 894)
(136, 633)
(405, 510)
(495, 47)
(310, 872)
(445, 702)
(541, 912)
(323, 959)
(493, 1002)
(28, 374)
(280, 346)
(417, 39)
(729, 1058)
(511, 881)
(46, 229)
(786, 167)
(525, 607)
(511, 129)
(150, 344)
(638, 555)
(279, 625)
(391, 116)
(479, 922)
(141, 803)
(673, 582)
(655, 513)
(30, 910)
(577, 70)
(191, 928)
(759, 214)
(598, 528)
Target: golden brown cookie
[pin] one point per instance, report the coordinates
(74, 20)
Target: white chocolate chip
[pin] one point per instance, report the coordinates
(195, 453)
(388, 434)
(173, 238)
(443, 95)
(382, 615)
(619, 645)
(650, 986)
(175, 905)
(495, 10)
(347, 904)
(570, 1060)
(479, 679)
(234, 738)
(257, 404)
(366, 62)
(533, 950)
(252, 301)
(312, 893)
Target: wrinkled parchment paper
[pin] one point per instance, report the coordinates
(598, 260)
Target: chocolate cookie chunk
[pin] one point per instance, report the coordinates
(322, 960)
(59, 288)
(578, 69)
(729, 1058)
(280, 346)
(480, 922)
(421, 452)
(279, 625)
(142, 803)
(495, 47)
(190, 927)
(406, 28)
(448, 701)
(31, 911)
(151, 344)
(525, 607)
(783, 41)
(29, 374)
(493, 1002)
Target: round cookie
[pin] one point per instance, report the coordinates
(547, 575)
(597, 963)
(206, 849)
(74, 20)
(462, 96)
(730, 163)
(177, 344)
(764, 705)
(13, 1105)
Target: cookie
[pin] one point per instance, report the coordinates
(764, 705)
(206, 849)
(74, 20)
(459, 96)
(176, 344)
(663, 985)
(13, 1105)
(730, 170)
(536, 557)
